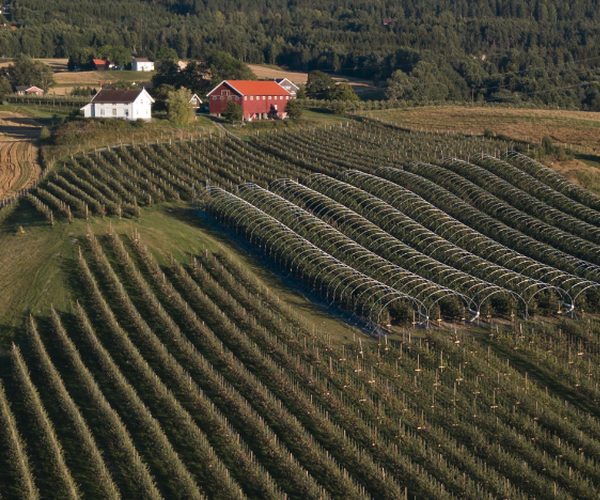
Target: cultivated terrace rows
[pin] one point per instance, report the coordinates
(191, 380)
(471, 237)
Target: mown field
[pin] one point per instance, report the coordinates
(572, 128)
(19, 144)
(177, 337)
(576, 131)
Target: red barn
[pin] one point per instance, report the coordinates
(258, 100)
(100, 64)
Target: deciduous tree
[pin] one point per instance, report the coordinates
(180, 110)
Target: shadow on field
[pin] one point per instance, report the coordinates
(273, 275)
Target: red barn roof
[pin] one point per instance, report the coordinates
(253, 87)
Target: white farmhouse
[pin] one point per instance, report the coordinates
(124, 104)
(142, 64)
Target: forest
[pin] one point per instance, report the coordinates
(545, 52)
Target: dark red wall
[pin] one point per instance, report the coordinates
(250, 105)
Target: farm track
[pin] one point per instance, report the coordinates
(19, 166)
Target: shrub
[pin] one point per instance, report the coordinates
(293, 110)
(233, 113)
(45, 134)
(338, 108)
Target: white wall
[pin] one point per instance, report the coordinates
(142, 66)
(123, 111)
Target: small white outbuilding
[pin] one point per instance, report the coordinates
(142, 64)
(123, 104)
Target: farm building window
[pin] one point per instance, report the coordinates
(114, 112)
(245, 98)
(102, 112)
(225, 92)
(252, 98)
(214, 98)
(264, 98)
(237, 98)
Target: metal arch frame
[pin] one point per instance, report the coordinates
(253, 192)
(255, 189)
(536, 187)
(525, 160)
(387, 304)
(311, 197)
(364, 278)
(512, 233)
(309, 180)
(384, 235)
(482, 240)
(495, 247)
(552, 181)
(551, 215)
(578, 281)
(471, 191)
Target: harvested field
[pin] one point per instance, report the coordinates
(56, 64)
(66, 81)
(19, 149)
(577, 128)
(260, 71)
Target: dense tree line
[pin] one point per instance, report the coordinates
(545, 51)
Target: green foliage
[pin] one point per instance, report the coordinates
(167, 54)
(179, 108)
(233, 112)
(5, 87)
(519, 51)
(547, 146)
(160, 95)
(115, 53)
(293, 109)
(26, 71)
(343, 92)
(319, 85)
(86, 91)
(189, 374)
(223, 66)
(301, 94)
(45, 134)
(338, 108)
